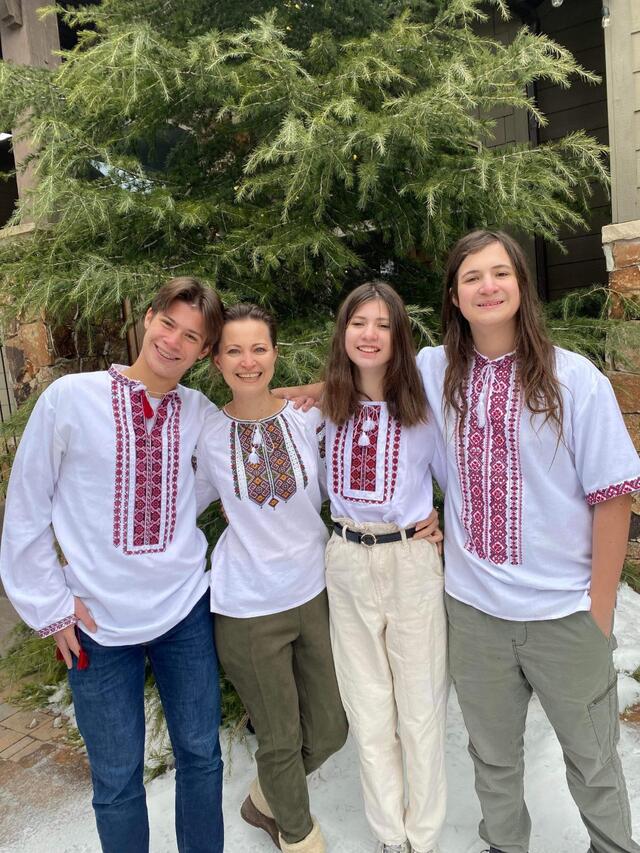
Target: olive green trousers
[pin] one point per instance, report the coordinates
(282, 667)
(496, 664)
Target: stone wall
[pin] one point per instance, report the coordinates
(621, 245)
(37, 351)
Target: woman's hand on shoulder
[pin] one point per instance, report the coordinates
(303, 397)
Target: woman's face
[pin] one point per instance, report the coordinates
(488, 294)
(246, 357)
(367, 338)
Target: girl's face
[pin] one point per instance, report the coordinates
(246, 357)
(488, 293)
(367, 338)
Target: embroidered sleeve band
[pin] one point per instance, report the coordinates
(624, 488)
(57, 626)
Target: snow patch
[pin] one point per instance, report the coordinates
(335, 794)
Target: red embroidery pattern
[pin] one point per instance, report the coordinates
(147, 467)
(57, 626)
(279, 471)
(358, 466)
(615, 491)
(489, 463)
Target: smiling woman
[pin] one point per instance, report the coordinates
(384, 582)
(488, 297)
(264, 460)
(246, 356)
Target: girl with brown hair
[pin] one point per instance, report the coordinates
(540, 475)
(385, 584)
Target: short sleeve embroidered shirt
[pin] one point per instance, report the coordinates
(519, 504)
(380, 471)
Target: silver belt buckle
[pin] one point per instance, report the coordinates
(368, 539)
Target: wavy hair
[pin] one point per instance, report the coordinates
(535, 357)
(403, 390)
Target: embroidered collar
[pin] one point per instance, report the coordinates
(115, 372)
(255, 420)
(506, 359)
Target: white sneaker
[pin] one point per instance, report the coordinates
(393, 848)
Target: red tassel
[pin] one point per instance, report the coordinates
(146, 406)
(59, 654)
(83, 660)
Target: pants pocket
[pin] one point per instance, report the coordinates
(603, 712)
(427, 553)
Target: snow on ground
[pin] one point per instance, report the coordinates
(335, 789)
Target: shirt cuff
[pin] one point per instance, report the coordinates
(57, 626)
(624, 488)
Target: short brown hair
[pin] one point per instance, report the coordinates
(248, 311)
(191, 290)
(403, 390)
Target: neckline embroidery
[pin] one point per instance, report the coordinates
(367, 472)
(255, 420)
(271, 471)
(115, 372)
(146, 468)
(488, 458)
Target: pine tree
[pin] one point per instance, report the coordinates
(280, 157)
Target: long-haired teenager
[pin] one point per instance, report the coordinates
(385, 586)
(540, 475)
(262, 459)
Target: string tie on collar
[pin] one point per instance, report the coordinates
(366, 424)
(481, 405)
(147, 408)
(258, 440)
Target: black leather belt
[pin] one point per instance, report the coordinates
(370, 539)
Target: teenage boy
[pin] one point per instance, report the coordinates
(105, 467)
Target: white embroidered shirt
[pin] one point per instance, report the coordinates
(519, 504)
(269, 475)
(120, 497)
(380, 471)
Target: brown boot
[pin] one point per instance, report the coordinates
(255, 811)
(313, 843)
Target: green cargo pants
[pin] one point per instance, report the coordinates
(495, 665)
(282, 667)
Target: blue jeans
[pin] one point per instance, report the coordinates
(109, 704)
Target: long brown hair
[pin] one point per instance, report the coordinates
(535, 358)
(403, 390)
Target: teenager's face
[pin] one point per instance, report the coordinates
(174, 340)
(488, 292)
(246, 357)
(367, 338)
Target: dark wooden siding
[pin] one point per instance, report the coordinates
(8, 188)
(577, 25)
